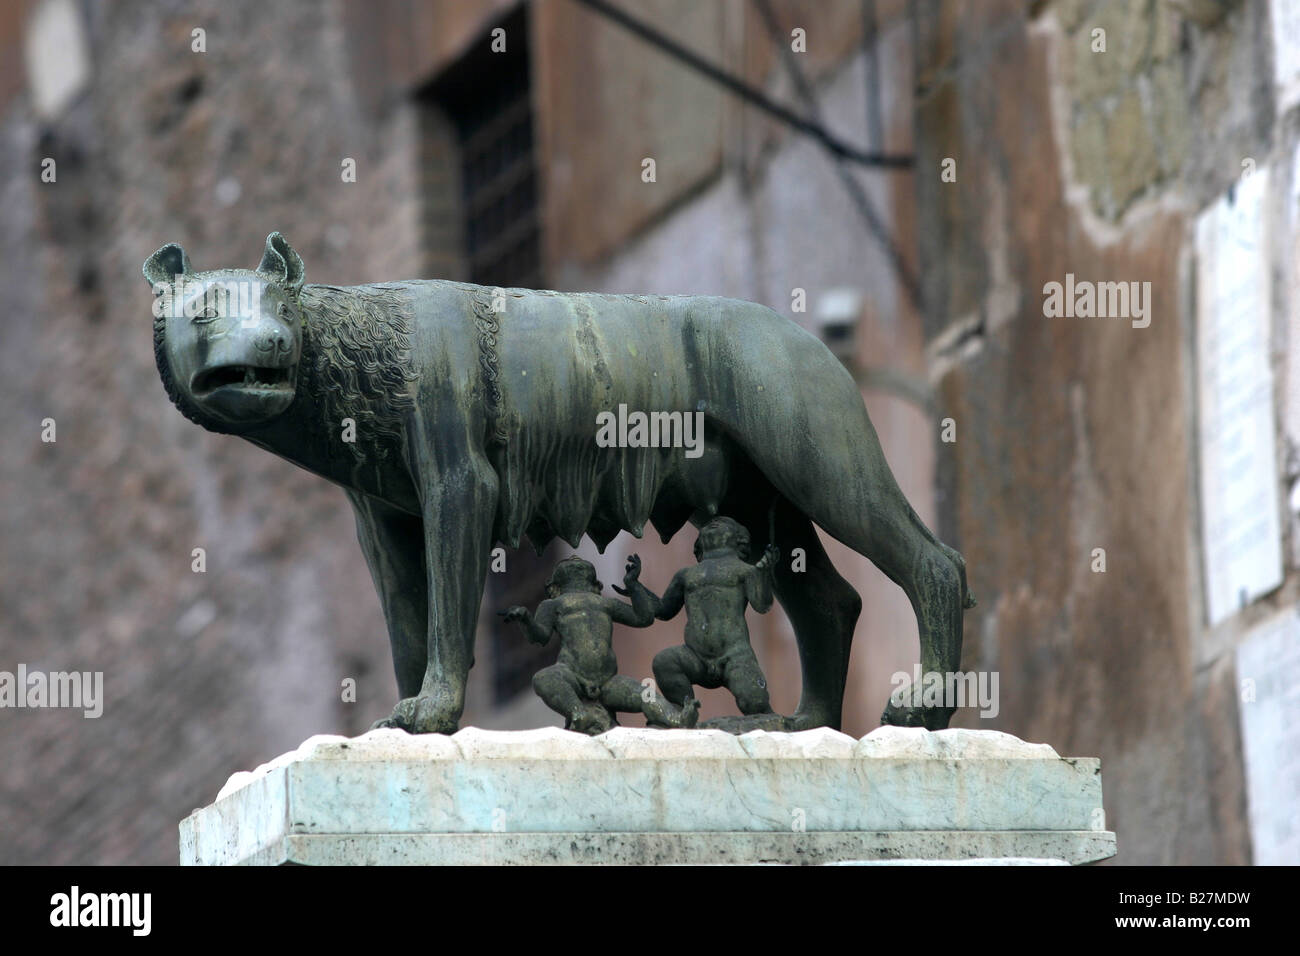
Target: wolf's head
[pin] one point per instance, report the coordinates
(228, 342)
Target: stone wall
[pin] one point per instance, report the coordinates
(1079, 434)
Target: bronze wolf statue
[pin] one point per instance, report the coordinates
(457, 416)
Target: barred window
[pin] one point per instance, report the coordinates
(487, 98)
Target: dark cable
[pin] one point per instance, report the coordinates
(854, 188)
(745, 91)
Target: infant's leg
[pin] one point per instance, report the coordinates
(557, 686)
(745, 680)
(625, 695)
(677, 670)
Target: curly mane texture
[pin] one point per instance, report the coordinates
(356, 361)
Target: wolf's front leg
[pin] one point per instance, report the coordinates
(393, 544)
(459, 511)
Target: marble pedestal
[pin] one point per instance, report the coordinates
(635, 796)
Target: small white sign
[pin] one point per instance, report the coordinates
(1241, 519)
(1289, 249)
(1268, 677)
(1286, 52)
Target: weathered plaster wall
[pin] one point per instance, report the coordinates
(1078, 434)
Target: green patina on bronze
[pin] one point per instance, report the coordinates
(474, 425)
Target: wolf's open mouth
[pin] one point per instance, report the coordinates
(246, 376)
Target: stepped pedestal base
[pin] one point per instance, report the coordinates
(657, 797)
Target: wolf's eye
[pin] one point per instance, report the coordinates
(207, 315)
(284, 312)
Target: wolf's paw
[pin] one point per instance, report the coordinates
(422, 715)
(903, 715)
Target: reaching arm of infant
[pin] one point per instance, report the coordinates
(538, 627)
(642, 611)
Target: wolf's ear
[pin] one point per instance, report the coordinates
(281, 263)
(166, 264)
